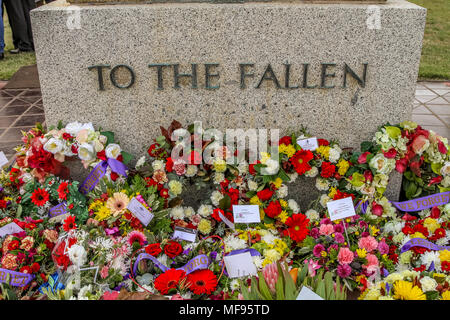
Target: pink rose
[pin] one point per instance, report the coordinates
(345, 256)
(420, 144)
(363, 157)
(390, 154)
(369, 243)
(326, 229)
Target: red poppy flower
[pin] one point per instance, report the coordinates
(202, 281)
(298, 227)
(300, 161)
(169, 280)
(40, 197)
(69, 223)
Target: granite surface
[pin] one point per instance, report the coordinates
(230, 34)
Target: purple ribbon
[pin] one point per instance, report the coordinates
(424, 202)
(252, 251)
(99, 171)
(419, 242)
(58, 210)
(17, 279)
(199, 262)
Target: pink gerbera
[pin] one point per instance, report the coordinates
(138, 236)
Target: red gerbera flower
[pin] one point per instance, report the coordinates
(169, 280)
(298, 227)
(69, 223)
(40, 197)
(202, 281)
(300, 161)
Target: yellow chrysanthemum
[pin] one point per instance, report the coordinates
(283, 216)
(444, 255)
(277, 183)
(272, 255)
(404, 290)
(103, 213)
(446, 295)
(220, 165)
(323, 253)
(324, 151)
(418, 235)
(94, 205)
(243, 236)
(284, 203)
(343, 166)
(288, 150)
(332, 192)
(264, 157)
(431, 224)
(361, 253)
(255, 200)
(204, 226)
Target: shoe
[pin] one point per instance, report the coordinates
(14, 51)
(2, 56)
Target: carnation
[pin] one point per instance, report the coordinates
(322, 184)
(140, 162)
(312, 173)
(218, 177)
(158, 165)
(272, 255)
(293, 205)
(345, 256)
(205, 210)
(324, 200)
(272, 167)
(216, 196)
(191, 170)
(177, 213)
(175, 187)
(344, 270)
(335, 154)
(312, 214)
(369, 243)
(282, 192)
(252, 185)
(204, 226)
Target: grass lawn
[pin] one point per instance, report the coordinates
(434, 64)
(435, 61)
(13, 62)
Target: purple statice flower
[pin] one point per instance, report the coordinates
(318, 248)
(186, 252)
(339, 238)
(314, 233)
(344, 270)
(213, 255)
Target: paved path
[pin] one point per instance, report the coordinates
(21, 109)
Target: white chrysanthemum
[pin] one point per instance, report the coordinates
(189, 212)
(216, 196)
(77, 255)
(158, 165)
(257, 260)
(234, 284)
(293, 205)
(335, 154)
(282, 192)
(268, 238)
(177, 213)
(324, 200)
(140, 162)
(272, 167)
(205, 210)
(322, 184)
(234, 243)
(252, 185)
(191, 170)
(431, 257)
(428, 284)
(312, 215)
(218, 177)
(312, 173)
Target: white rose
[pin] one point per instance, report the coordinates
(54, 145)
(382, 164)
(113, 150)
(445, 170)
(77, 255)
(73, 128)
(428, 284)
(86, 152)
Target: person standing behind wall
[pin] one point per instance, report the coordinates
(2, 34)
(19, 19)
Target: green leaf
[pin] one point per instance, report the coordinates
(436, 167)
(127, 157)
(109, 136)
(279, 287)
(263, 287)
(225, 202)
(366, 146)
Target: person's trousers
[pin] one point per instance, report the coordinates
(19, 19)
(2, 28)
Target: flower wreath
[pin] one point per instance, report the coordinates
(45, 152)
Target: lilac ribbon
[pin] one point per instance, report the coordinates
(58, 210)
(17, 279)
(424, 202)
(99, 171)
(419, 242)
(199, 262)
(252, 251)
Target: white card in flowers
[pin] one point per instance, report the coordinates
(308, 144)
(240, 265)
(187, 234)
(340, 209)
(10, 228)
(140, 211)
(246, 214)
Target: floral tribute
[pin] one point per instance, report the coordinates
(136, 233)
